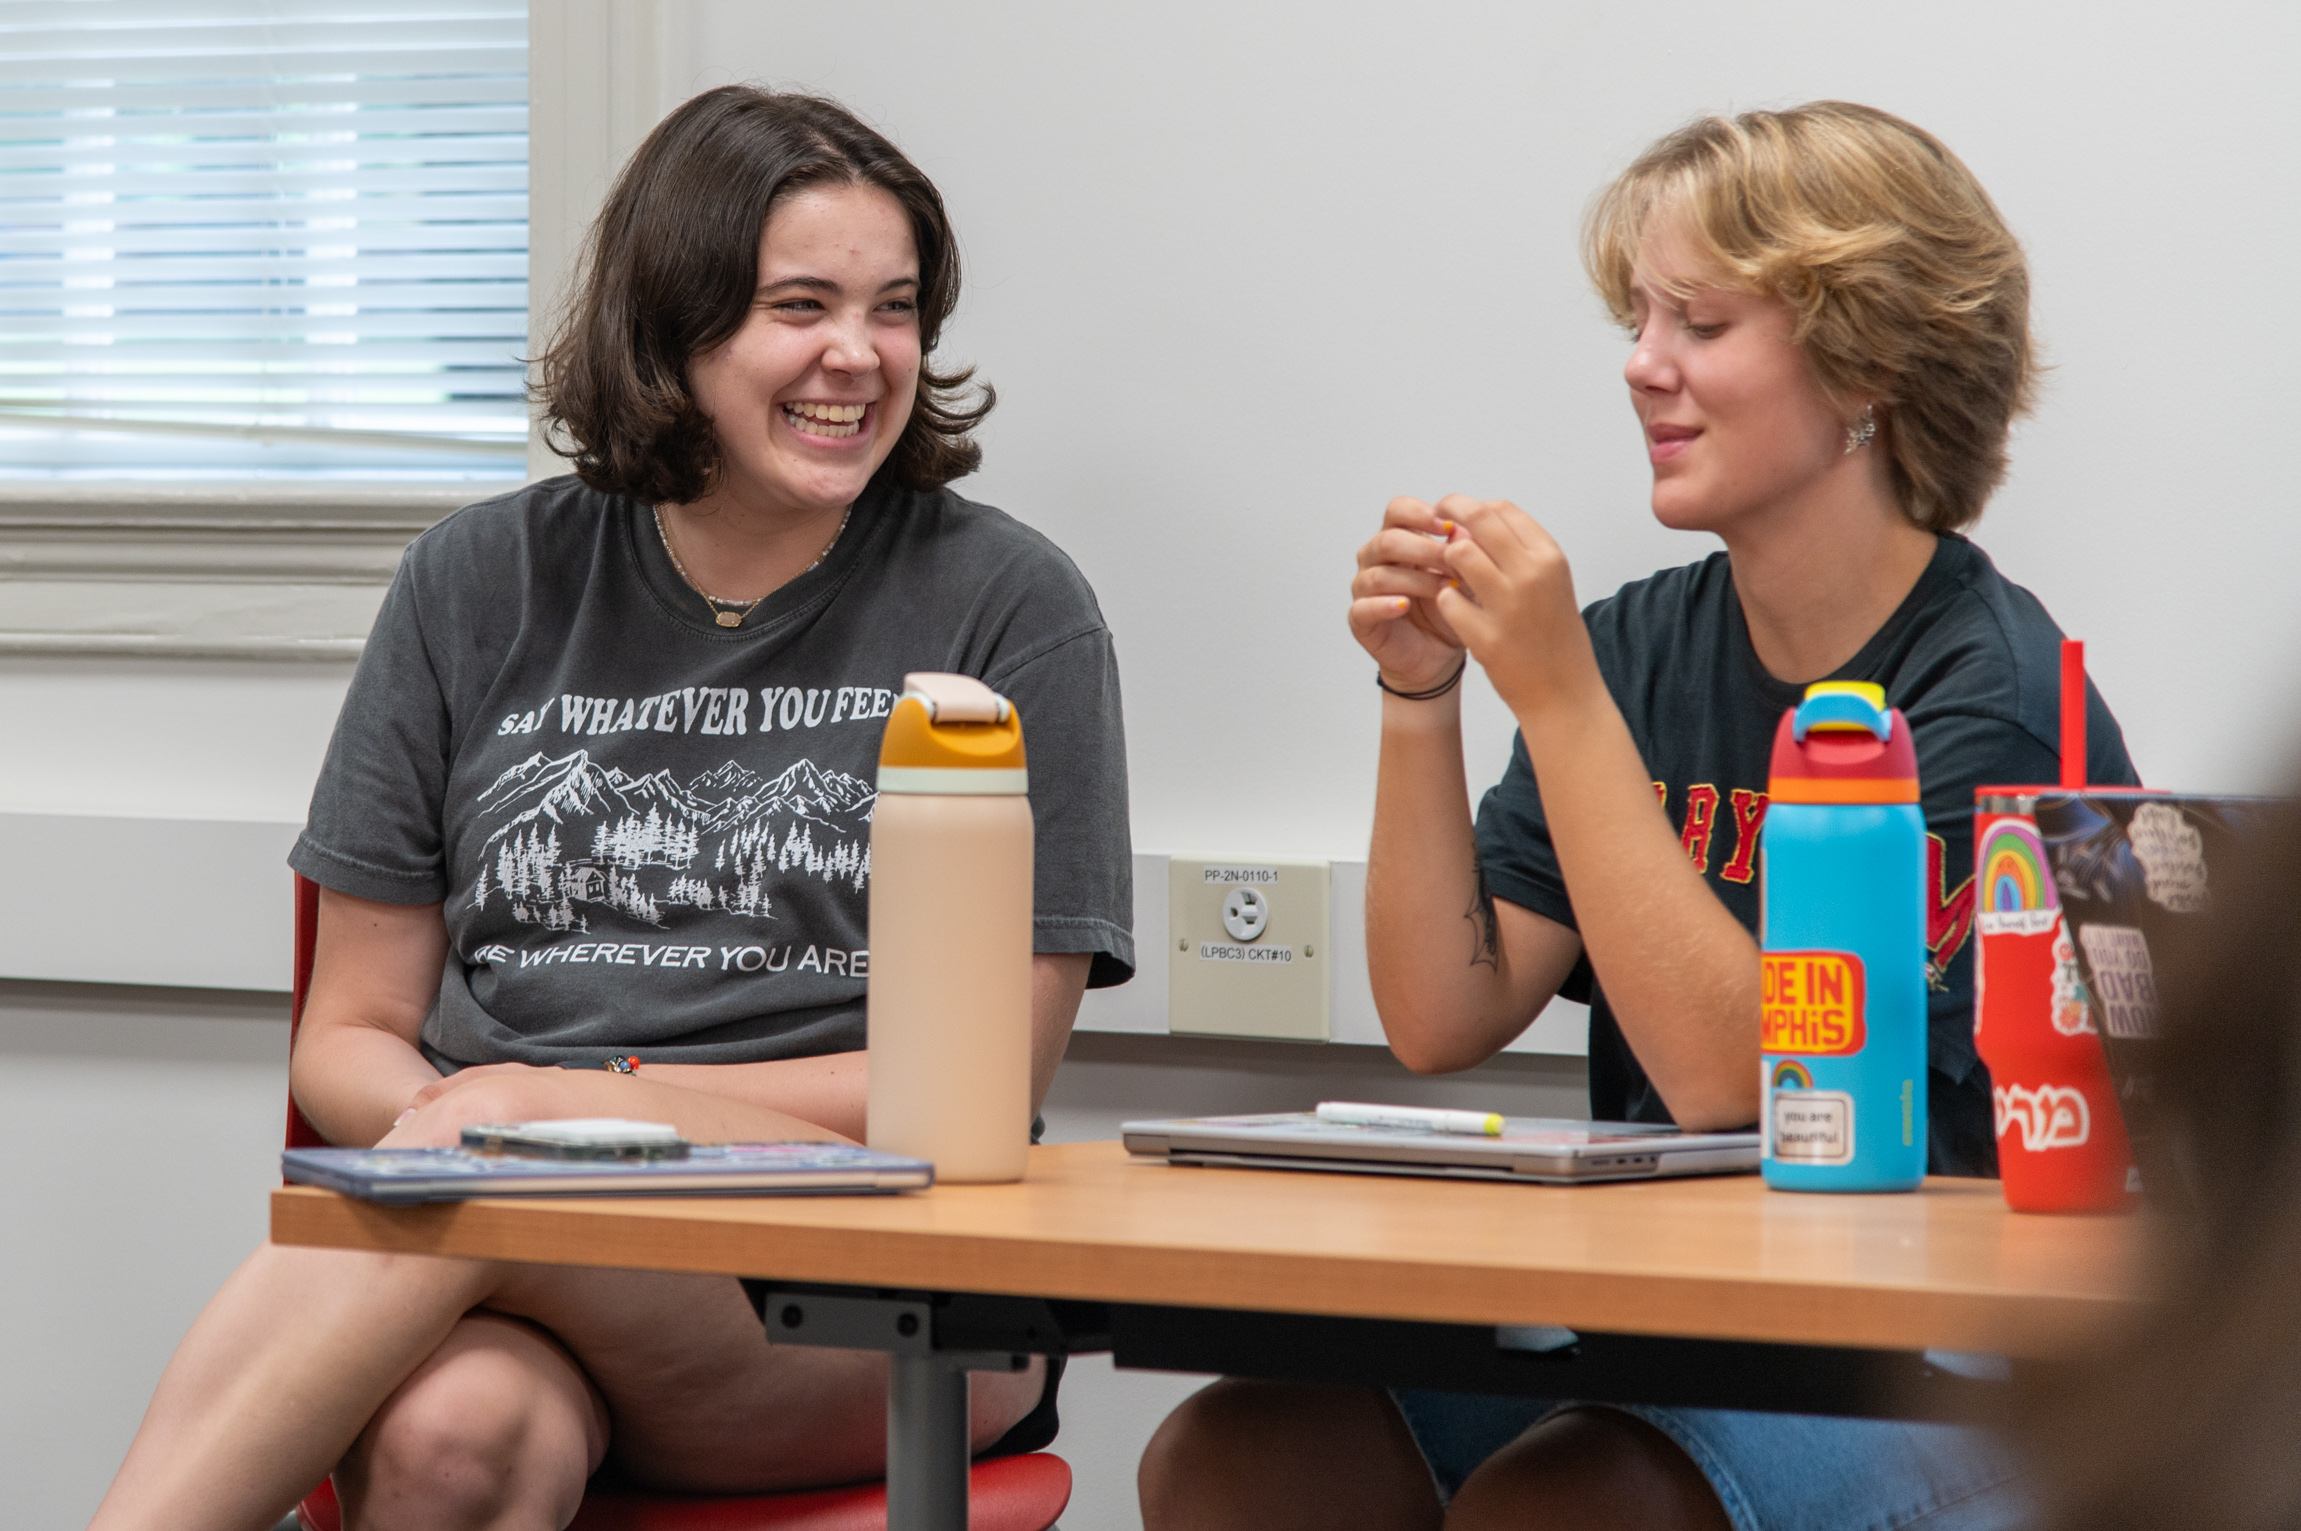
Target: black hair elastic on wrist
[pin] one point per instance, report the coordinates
(1433, 693)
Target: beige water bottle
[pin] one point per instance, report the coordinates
(950, 975)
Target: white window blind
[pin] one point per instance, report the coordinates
(276, 240)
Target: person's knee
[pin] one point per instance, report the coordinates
(1270, 1455)
(1209, 1441)
(444, 1454)
(472, 1440)
(1588, 1469)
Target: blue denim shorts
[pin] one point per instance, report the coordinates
(1772, 1472)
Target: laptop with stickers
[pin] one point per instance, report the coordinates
(2134, 872)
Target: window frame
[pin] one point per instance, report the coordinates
(293, 571)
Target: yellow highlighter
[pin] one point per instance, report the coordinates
(1469, 1124)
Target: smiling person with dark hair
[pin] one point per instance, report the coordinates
(602, 789)
(669, 277)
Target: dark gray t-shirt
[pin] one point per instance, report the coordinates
(652, 834)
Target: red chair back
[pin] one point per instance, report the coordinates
(1019, 1493)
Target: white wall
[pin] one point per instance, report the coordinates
(145, 1121)
(168, 738)
(1243, 272)
(143, 1128)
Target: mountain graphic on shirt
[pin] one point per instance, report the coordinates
(730, 780)
(576, 786)
(830, 798)
(578, 838)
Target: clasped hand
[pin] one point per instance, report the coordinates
(1475, 574)
(492, 1092)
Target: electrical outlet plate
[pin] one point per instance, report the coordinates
(1274, 984)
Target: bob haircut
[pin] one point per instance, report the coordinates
(1908, 291)
(669, 271)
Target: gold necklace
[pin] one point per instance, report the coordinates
(734, 618)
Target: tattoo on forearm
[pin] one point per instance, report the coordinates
(1485, 941)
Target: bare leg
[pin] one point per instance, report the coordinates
(702, 1403)
(291, 1360)
(1271, 1456)
(277, 1376)
(497, 1430)
(1588, 1470)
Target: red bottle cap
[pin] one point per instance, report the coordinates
(1842, 744)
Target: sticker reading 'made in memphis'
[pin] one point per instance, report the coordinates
(1806, 1125)
(1813, 1003)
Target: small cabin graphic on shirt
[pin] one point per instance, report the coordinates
(576, 833)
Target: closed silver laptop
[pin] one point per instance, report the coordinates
(1542, 1150)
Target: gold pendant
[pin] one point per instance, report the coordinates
(728, 618)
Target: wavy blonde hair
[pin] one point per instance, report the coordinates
(1909, 292)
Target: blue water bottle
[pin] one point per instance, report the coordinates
(1842, 938)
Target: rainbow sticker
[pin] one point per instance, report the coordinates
(1790, 1074)
(2013, 870)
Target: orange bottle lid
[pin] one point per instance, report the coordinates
(952, 735)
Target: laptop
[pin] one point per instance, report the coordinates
(1531, 1149)
(2135, 873)
(404, 1175)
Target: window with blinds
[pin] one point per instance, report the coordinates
(242, 239)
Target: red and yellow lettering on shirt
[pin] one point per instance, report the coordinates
(1949, 915)
(1749, 816)
(1701, 817)
(1949, 911)
(1700, 827)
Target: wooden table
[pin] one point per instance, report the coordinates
(1700, 1291)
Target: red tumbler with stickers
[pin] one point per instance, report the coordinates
(2061, 1144)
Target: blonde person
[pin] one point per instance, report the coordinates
(1829, 339)
(601, 792)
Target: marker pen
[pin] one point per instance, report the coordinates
(1473, 1124)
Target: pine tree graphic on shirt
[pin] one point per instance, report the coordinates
(577, 833)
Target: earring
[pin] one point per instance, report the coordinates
(1859, 433)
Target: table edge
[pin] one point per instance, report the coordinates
(1887, 1316)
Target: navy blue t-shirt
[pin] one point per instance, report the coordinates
(1971, 659)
